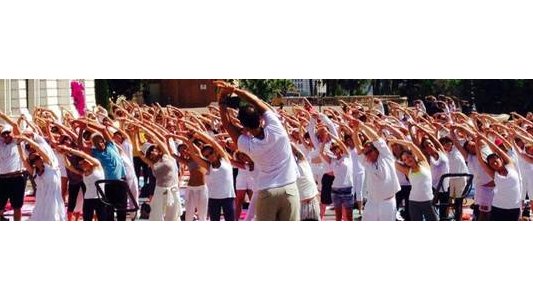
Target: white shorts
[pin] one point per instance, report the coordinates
(244, 182)
(457, 186)
(380, 210)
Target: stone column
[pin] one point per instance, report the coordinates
(19, 97)
(5, 96)
(34, 93)
(90, 94)
(64, 98)
(49, 95)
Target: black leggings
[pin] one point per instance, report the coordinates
(90, 206)
(117, 195)
(214, 206)
(501, 214)
(73, 191)
(325, 193)
(403, 196)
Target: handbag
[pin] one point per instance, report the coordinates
(145, 211)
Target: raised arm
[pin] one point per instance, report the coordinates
(228, 89)
(433, 139)
(504, 156)
(456, 143)
(37, 147)
(480, 159)
(16, 129)
(155, 139)
(411, 146)
(216, 146)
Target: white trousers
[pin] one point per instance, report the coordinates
(380, 210)
(165, 204)
(196, 198)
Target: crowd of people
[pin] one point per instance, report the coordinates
(386, 161)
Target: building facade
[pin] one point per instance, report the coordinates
(309, 87)
(21, 96)
(182, 92)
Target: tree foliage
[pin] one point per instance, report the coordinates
(266, 89)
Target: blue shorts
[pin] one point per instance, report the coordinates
(343, 197)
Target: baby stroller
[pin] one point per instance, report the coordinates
(457, 204)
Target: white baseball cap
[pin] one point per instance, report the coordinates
(7, 128)
(145, 147)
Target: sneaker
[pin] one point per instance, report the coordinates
(2, 218)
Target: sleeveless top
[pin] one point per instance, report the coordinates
(421, 186)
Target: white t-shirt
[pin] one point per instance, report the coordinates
(507, 189)
(480, 176)
(9, 158)
(382, 182)
(457, 161)
(421, 185)
(128, 149)
(343, 172)
(272, 155)
(220, 181)
(306, 182)
(439, 167)
(357, 162)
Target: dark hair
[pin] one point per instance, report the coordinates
(492, 155)
(150, 149)
(181, 146)
(86, 135)
(445, 140)
(249, 117)
(347, 137)
(405, 151)
(465, 144)
(208, 147)
(425, 141)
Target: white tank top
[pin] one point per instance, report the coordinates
(421, 188)
(507, 189)
(306, 182)
(220, 181)
(97, 174)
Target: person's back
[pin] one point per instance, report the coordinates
(272, 154)
(269, 147)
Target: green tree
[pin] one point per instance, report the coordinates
(347, 87)
(267, 89)
(101, 90)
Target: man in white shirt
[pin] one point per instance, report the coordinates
(269, 147)
(382, 181)
(12, 175)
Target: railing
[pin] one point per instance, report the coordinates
(332, 101)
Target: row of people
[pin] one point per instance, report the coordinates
(292, 164)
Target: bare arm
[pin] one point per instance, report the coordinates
(483, 164)
(34, 145)
(208, 140)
